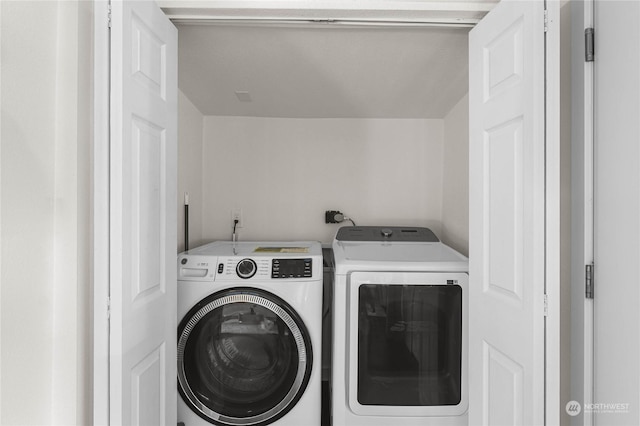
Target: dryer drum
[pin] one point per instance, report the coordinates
(244, 357)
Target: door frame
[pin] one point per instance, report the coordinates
(553, 226)
(386, 11)
(582, 213)
(371, 12)
(100, 213)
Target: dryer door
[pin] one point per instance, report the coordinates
(244, 357)
(408, 346)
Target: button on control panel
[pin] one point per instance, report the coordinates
(291, 268)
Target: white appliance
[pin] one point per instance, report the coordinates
(400, 329)
(249, 338)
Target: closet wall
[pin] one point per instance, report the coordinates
(284, 173)
(190, 122)
(455, 178)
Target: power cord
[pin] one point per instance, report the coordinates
(233, 235)
(335, 216)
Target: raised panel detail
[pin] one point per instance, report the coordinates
(503, 210)
(148, 389)
(503, 393)
(503, 61)
(148, 58)
(148, 187)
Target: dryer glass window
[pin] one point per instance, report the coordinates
(409, 345)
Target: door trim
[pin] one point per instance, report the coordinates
(405, 11)
(100, 214)
(588, 215)
(553, 202)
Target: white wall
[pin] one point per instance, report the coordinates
(617, 210)
(44, 212)
(284, 174)
(28, 177)
(455, 185)
(190, 126)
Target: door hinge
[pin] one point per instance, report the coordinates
(546, 20)
(108, 307)
(588, 281)
(546, 306)
(589, 49)
(109, 15)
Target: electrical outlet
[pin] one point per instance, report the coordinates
(236, 214)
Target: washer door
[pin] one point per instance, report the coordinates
(244, 357)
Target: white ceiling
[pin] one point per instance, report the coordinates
(323, 70)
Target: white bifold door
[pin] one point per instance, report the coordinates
(143, 150)
(507, 216)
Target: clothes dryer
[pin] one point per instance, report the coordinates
(249, 339)
(400, 329)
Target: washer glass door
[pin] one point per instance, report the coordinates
(244, 357)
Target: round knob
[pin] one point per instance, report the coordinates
(246, 268)
(386, 232)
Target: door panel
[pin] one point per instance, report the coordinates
(503, 391)
(503, 172)
(506, 156)
(142, 217)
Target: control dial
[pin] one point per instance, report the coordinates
(386, 232)
(246, 268)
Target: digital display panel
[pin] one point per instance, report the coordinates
(291, 268)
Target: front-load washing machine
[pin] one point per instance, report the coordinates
(400, 329)
(249, 339)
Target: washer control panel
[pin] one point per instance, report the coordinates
(247, 263)
(291, 268)
(244, 268)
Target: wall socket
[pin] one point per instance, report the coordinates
(236, 214)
